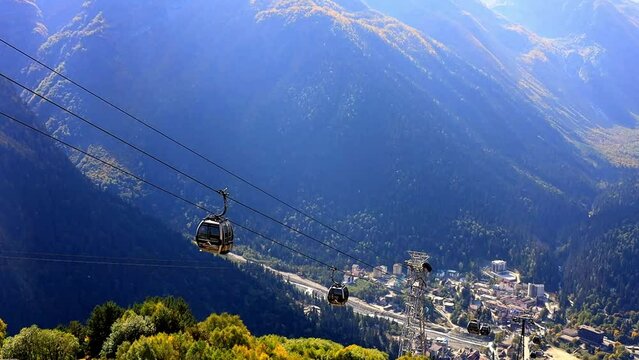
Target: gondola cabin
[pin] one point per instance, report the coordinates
(484, 330)
(214, 236)
(338, 294)
(473, 327)
(536, 340)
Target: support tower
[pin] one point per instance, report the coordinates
(414, 340)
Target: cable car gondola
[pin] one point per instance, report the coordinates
(484, 330)
(536, 339)
(473, 327)
(215, 233)
(476, 328)
(337, 293)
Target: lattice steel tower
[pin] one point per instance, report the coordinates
(414, 340)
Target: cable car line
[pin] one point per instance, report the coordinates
(304, 234)
(160, 188)
(338, 298)
(79, 256)
(136, 148)
(185, 147)
(124, 171)
(284, 245)
(105, 131)
(98, 262)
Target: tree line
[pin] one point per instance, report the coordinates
(165, 328)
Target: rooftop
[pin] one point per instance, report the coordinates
(569, 332)
(506, 275)
(591, 329)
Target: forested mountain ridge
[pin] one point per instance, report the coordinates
(329, 112)
(609, 249)
(458, 132)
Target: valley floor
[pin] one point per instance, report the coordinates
(457, 341)
(559, 354)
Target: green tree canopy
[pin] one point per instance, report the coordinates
(3, 331)
(169, 314)
(412, 357)
(313, 348)
(161, 346)
(228, 337)
(201, 350)
(33, 343)
(354, 352)
(134, 335)
(204, 329)
(99, 325)
(129, 327)
(80, 331)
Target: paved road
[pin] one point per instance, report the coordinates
(457, 340)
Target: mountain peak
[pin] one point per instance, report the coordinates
(353, 17)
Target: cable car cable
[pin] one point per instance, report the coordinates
(157, 187)
(79, 256)
(120, 139)
(98, 262)
(160, 188)
(105, 131)
(189, 149)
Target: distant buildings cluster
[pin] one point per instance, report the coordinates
(583, 333)
(379, 271)
(587, 337)
(441, 351)
(504, 296)
(393, 281)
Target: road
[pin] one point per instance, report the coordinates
(361, 307)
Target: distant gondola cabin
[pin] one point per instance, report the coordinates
(337, 294)
(473, 327)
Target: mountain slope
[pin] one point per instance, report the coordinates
(447, 128)
(21, 23)
(595, 45)
(597, 272)
(49, 208)
(390, 120)
(580, 80)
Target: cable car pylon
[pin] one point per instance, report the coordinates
(414, 339)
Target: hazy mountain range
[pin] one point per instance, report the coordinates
(467, 130)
